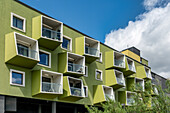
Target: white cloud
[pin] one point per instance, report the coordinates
(151, 34)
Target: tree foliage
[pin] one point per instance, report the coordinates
(145, 101)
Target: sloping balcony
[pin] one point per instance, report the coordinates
(130, 67)
(72, 64)
(135, 84)
(115, 79)
(73, 89)
(104, 92)
(21, 50)
(47, 83)
(148, 73)
(126, 98)
(114, 60)
(47, 31)
(88, 47)
(154, 91)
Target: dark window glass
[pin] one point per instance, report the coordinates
(66, 43)
(17, 78)
(23, 50)
(44, 59)
(18, 23)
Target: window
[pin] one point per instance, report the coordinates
(86, 91)
(67, 43)
(17, 78)
(17, 22)
(23, 50)
(45, 58)
(98, 75)
(100, 57)
(86, 71)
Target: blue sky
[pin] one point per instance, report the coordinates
(95, 18)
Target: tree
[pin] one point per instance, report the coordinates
(144, 102)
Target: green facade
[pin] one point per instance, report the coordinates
(10, 60)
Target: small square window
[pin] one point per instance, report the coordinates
(17, 22)
(67, 43)
(100, 57)
(98, 75)
(17, 78)
(86, 91)
(86, 71)
(45, 58)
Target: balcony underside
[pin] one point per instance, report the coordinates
(46, 95)
(22, 61)
(128, 73)
(89, 58)
(73, 74)
(117, 86)
(70, 98)
(117, 68)
(48, 43)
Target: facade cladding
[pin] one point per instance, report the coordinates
(48, 67)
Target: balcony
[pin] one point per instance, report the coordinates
(47, 84)
(130, 67)
(119, 60)
(72, 64)
(21, 50)
(148, 73)
(73, 89)
(105, 93)
(139, 84)
(47, 30)
(88, 47)
(126, 98)
(154, 91)
(115, 79)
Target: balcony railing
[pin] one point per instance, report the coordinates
(24, 51)
(51, 87)
(92, 51)
(119, 63)
(75, 67)
(108, 96)
(76, 91)
(51, 34)
(148, 75)
(120, 81)
(155, 90)
(131, 67)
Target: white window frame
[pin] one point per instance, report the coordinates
(49, 59)
(86, 71)
(86, 91)
(101, 75)
(64, 36)
(100, 58)
(23, 80)
(20, 17)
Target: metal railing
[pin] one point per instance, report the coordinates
(119, 63)
(108, 96)
(27, 52)
(155, 90)
(92, 51)
(51, 34)
(148, 74)
(76, 91)
(120, 81)
(75, 67)
(51, 87)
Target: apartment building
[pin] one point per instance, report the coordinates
(49, 67)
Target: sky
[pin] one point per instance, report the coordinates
(120, 24)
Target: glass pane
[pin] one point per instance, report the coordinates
(66, 43)
(44, 59)
(22, 50)
(18, 22)
(17, 78)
